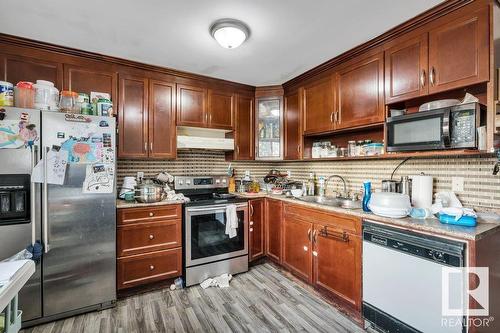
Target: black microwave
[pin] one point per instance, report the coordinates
(452, 127)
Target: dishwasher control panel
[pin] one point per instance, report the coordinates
(429, 247)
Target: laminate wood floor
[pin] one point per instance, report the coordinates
(261, 300)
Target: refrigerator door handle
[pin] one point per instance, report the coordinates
(45, 213)
(34, 161)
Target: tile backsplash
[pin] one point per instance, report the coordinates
(481, 188)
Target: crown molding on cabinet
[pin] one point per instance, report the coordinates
(418, 21)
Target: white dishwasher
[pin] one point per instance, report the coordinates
(402, 280)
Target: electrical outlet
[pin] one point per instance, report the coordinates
(457, 184)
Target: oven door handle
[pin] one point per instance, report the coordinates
(212, 208)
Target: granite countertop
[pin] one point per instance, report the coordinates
(430, 225)
(126, 204)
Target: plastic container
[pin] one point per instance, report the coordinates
(24, 95)
(104, 107)
(371, 149)
(466, 221)
(83, 104)
(6, 93)
(390, 200)
(351, 148)
(67, 102)
(46, 96)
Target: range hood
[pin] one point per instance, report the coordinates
(203, 138)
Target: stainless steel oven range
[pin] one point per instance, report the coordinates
(208, 249)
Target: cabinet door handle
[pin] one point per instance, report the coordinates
(422, 78)
(331, 117)
(251, 210)
(306, 248)
(251, 229)
(298, 149)
(335, 117)
(210, 117)
(151, 236)
(315, 235)
(151, 146)
(315, 253)
(238, 149)
(145, 147)
(432, 76)
(309, 234)
(251, 222)
(151, 267)
(151, 214)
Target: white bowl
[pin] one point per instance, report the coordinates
(392, 213)
(390, 200)
(297, 192)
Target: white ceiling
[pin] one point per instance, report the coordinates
(287, 38)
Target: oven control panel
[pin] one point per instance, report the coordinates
(194, 182)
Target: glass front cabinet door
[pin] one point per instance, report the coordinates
(269, 128)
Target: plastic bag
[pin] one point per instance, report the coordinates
(24, 254)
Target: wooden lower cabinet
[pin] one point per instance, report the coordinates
(337, 262)
(274, 224)
(324, 249)
(256, 229)
(149, 245)
(297, 245)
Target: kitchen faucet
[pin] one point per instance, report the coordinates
(324, 184)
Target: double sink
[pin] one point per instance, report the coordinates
(332, 201)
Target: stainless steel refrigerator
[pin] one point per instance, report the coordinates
(75, 221)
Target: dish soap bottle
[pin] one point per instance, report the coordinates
(367, 186)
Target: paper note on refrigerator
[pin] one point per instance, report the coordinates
(57, 162)
(99, 178)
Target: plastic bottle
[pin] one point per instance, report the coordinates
(367, 185)
(310, 185)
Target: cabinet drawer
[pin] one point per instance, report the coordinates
(149, 214)
(147, 237)
(349, 223)
(144, 268)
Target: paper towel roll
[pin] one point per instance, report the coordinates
(421, 191)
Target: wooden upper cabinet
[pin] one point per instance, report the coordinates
(459, 52)
(220, 109)
(133, 117)
(256, 229)
(406, 70)
(274, 224)
(20, 68)
(360, 93)
(162, 129)
(293, 132)
(92, 78)
(191, 106)
(244, 129)
(337, 262)
(318, 106)
(297, 243)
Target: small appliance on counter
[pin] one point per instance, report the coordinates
(450, 127)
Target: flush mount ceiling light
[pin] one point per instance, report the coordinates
(229, 33)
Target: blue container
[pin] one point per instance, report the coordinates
(367, 186)
(466, 221)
